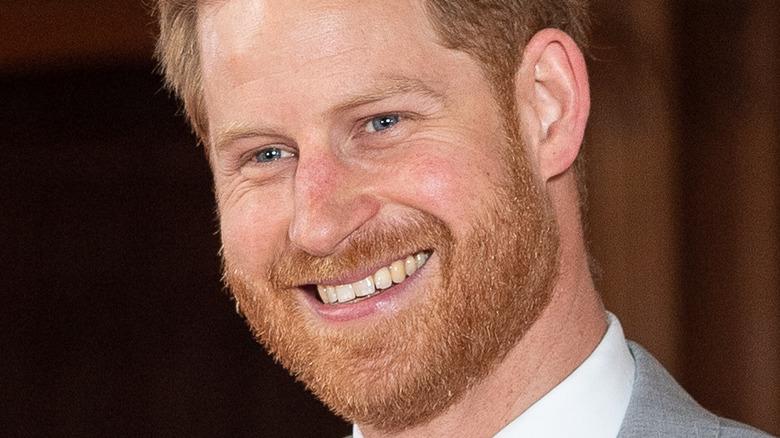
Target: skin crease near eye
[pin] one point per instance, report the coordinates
(375, 125)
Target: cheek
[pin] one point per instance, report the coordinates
(439, 184)
(252, 232)
(448, 189)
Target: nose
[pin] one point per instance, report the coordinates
(332, 200)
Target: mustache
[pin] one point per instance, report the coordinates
(366, 248)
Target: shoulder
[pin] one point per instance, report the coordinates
(733, 429)
(660, 407)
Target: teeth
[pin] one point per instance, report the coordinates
(332, 296)
(364, 287)
(345, 293)
(327, 293)
(410, 265)
(397, 271)
(382, 279)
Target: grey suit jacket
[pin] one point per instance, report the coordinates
(659, 407)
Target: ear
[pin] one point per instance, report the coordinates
(552, 88)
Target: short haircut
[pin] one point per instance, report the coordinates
(494, 32)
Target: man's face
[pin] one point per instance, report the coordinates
(347, 144)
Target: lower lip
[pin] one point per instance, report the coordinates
(387, 302)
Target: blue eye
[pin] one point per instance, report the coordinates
(271, 154)
(381, 123)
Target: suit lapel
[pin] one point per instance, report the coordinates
(659, 407)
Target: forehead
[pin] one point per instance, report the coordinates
(297, 34)
(286, 62)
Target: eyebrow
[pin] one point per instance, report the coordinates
(386, 87)
(236, 131)
(383, 88)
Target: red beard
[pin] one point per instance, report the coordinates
(489, 287)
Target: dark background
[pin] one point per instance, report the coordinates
(112, 317)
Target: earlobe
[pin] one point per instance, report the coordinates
(553, 83)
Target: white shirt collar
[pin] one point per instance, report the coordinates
(591, 402)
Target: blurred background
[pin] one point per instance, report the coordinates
(112, 317)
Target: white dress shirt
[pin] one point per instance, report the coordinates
(590, 403)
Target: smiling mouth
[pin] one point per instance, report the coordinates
(382, 279)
